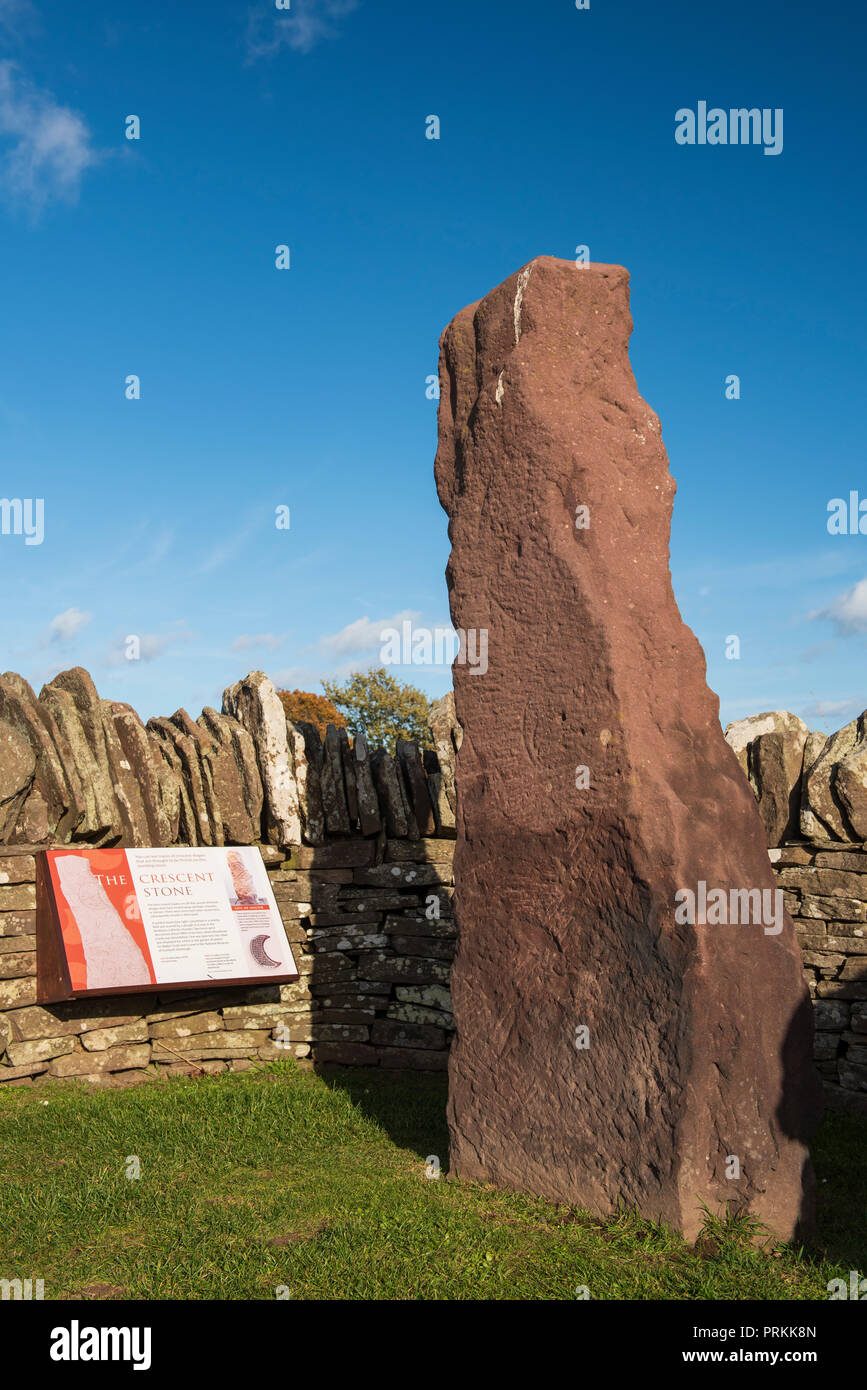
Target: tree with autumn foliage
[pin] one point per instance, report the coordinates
(382, 709)
(315, 709)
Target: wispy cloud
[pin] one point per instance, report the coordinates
(258, 639)
(309, 677)
(338, 655)
(824, 709)
(67, 625)
(361, 637)
(300, 28)
(848, 612)
(46, 148)
(229, 548)
(19, 21)
(776, 572)
(16, 17)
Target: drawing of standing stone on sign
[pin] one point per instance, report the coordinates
(244, 895)
(112, 957)
(243, 887)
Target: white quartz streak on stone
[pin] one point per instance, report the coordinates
(255, 703)
(743, 731)
(523, 277)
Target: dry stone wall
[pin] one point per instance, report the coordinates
(75, 769)
(811, 790)
(358, 846)
(825, 890)
(360, 888)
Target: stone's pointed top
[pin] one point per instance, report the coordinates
(187, 725)
(546, 340)
(79, 683)
(570, 280)
(17, 683)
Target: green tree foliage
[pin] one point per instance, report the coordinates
(316, 709)
(381, 708)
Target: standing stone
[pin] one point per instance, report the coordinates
(605, 1052)
(255, 703)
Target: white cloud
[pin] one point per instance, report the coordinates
(300, 29)
(49, 145)
(362, 636)
(298, 678)
(67, 625)
(258, 639)
(848, 612)
(338, 655)
(309, 677)
(821, 709)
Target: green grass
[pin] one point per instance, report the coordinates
(281, 1177)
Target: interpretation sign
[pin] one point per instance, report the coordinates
(120, 921)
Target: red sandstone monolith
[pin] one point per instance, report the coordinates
(607, 1051)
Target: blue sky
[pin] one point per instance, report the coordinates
(305, 388)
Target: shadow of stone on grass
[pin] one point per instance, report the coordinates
(409, 1106)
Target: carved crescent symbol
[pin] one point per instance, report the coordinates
(258, 952)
